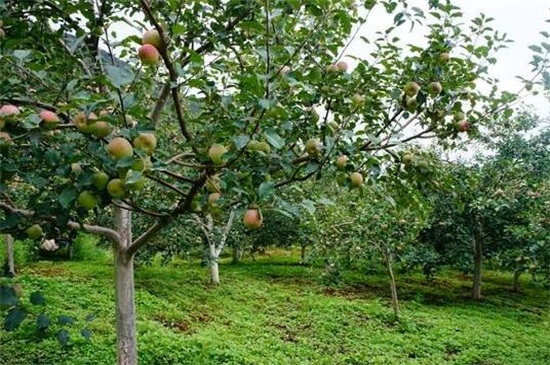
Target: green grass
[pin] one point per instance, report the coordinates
(276, 312)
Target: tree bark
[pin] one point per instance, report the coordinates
(10, 256)
(124, 287)
(236, 254)
(303, 254)
(478, 260)
(515, 280)
(393, 287)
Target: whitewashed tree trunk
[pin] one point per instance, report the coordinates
(393, 286)
(10, 256)
(215, 247)
(124, 287)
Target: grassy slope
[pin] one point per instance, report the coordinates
(270, 313)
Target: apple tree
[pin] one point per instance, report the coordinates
(238, 98)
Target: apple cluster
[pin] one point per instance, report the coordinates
(151, 42)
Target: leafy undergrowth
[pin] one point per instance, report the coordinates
(272, 312)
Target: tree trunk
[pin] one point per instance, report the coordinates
(478, 259)
(236, 254)
(10, 257)
(303, 254)
(393, 287)
(515, 280)
(124, 286)
(214, 268)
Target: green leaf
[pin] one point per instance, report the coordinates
(13, 320)
(241, 141)
(43, 322)
(274, 139)
(63, 337)
(37, 298)
(132, 177)
(8, 297)
(67, 197)
(266, 189)
(21, 54)
(119, 76)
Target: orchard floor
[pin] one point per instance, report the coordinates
(274, 311)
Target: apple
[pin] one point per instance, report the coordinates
(356, 179)
(264, 147)
(34, 232)
(411, 89)
(342, 66)
(313, 147)
(76, 168)
(412, 104)
(142, 164)
(83, 122)
(8, 110)
(342, 161)
(357, 99)
(435, 88)
(87, 200)
(462, 126)
(116, 189)
(332, 68)
(253, 145)
(216, 152)
(444, 57)
(50, 119)
(148, 55)
(252, 218)
(2, 33)
(213, 197)
(119, 148)
(147, 142)
(459, 116)
(5, 138)
(100, 180)
(423, 164)
(407, 158)
(100, 129)
(152, 37)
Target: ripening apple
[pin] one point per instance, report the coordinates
(342, 66)
(76, 168)
(407, 158)
(216, 152)
(252, 218)
(411, 89)
(462, 126)
(8, 110)
(253, 145)
(422, 164)
(116, 189)
(148, 55)
(100, 129)
(82, 122)
(435, 88)
(264, 147)
(142, 164)
(412, 104)
(212, 197)
(342, 161)
(147, 142)
(100, 180)
(2, 33)
(152, 37)
(51, 120)
(87, 200)
(119, 148)
(332, 68)
(444, 57)
(459, 116)
(313, 146)
(356, 179)
(357, 99)
(34, 232)
(5, 138)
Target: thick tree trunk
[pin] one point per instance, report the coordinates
(478, 260)
(10, 256)
(124, 286)
(393, 287)
(515, 280)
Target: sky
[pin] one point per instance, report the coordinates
(521, 20)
